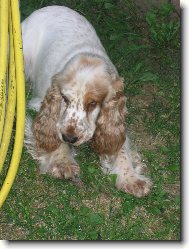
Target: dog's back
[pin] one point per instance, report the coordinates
(51, 37)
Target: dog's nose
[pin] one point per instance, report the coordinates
(69, 139)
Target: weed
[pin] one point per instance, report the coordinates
(163, 30)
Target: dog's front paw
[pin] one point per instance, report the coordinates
(136, 185)
(70, 171)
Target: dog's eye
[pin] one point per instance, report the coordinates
(66, 100)
(92, 104)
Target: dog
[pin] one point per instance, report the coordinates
(79, 97)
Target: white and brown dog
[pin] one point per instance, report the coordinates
(79, 96)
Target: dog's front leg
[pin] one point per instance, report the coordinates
(60, 163)
(127, 166)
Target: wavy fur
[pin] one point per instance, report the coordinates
(79, 97)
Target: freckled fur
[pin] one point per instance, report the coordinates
(110, 131)
(44, 125)
(68, 67)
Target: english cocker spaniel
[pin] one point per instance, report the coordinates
(79, 97)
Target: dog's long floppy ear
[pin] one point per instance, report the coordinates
(110, 130)
(44, 125)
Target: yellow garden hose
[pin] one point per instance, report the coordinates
(16, 87)
(10, 108)
(3, 59)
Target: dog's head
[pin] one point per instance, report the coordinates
(84, 102)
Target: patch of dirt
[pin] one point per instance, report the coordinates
(152, 224)
(172, 189)
(137, 131)
(143, 140)
(139, 212)
(103, 204)
(147, 94)
(10, 232)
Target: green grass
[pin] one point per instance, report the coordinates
(144, 46)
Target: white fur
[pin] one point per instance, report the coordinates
(53, 40)
(52, 36)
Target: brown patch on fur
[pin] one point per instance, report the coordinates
(44, 125)
(83, 62)
(88, 60)
(97, 91)
(97, 96)
(70, 130)
(110, 131)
